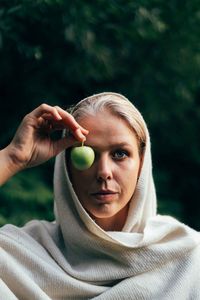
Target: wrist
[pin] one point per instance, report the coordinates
(16, 160)
(8, 164)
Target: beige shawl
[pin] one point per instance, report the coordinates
(153, 257)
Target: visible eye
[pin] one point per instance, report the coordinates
(119, 154)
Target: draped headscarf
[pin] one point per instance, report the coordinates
(153, 257)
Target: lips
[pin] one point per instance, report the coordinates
(104, 192)
(104, 195)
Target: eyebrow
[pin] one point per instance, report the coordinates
(116, 145)
(124, 144)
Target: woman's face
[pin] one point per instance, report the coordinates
(106, 188)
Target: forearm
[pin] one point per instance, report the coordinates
(7, 166)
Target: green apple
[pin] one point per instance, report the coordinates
(82, 157)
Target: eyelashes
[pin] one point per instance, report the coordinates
(120, 154)
(116, 154)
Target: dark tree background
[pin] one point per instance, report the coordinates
(59, 51)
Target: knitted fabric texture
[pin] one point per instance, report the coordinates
(153, 257)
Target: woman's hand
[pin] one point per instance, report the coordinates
(33, 144)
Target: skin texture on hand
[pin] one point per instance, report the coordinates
(33, 143)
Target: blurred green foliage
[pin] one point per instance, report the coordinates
(25, 197)
(59, 51)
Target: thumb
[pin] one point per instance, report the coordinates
(64, 143)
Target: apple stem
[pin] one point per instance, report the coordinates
(82, 143)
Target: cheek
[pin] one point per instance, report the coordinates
(128, 174)
(130, 169)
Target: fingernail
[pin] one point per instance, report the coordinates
(82, 136)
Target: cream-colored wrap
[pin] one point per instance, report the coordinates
(153, 257)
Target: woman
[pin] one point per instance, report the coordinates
(107, 241)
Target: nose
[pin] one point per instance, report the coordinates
(104, 169)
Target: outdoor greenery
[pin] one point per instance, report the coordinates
(59, 51)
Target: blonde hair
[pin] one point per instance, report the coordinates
(119, 106)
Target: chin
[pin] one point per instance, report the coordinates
(103, 213)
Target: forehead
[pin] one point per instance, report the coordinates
(106, 128)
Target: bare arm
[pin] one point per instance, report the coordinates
(32, 144)
(7, 168)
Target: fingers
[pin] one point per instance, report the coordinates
(60, 124)
(60, 119)
(78, 135)
(63, 143)
(70, 121)
(46, 109)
